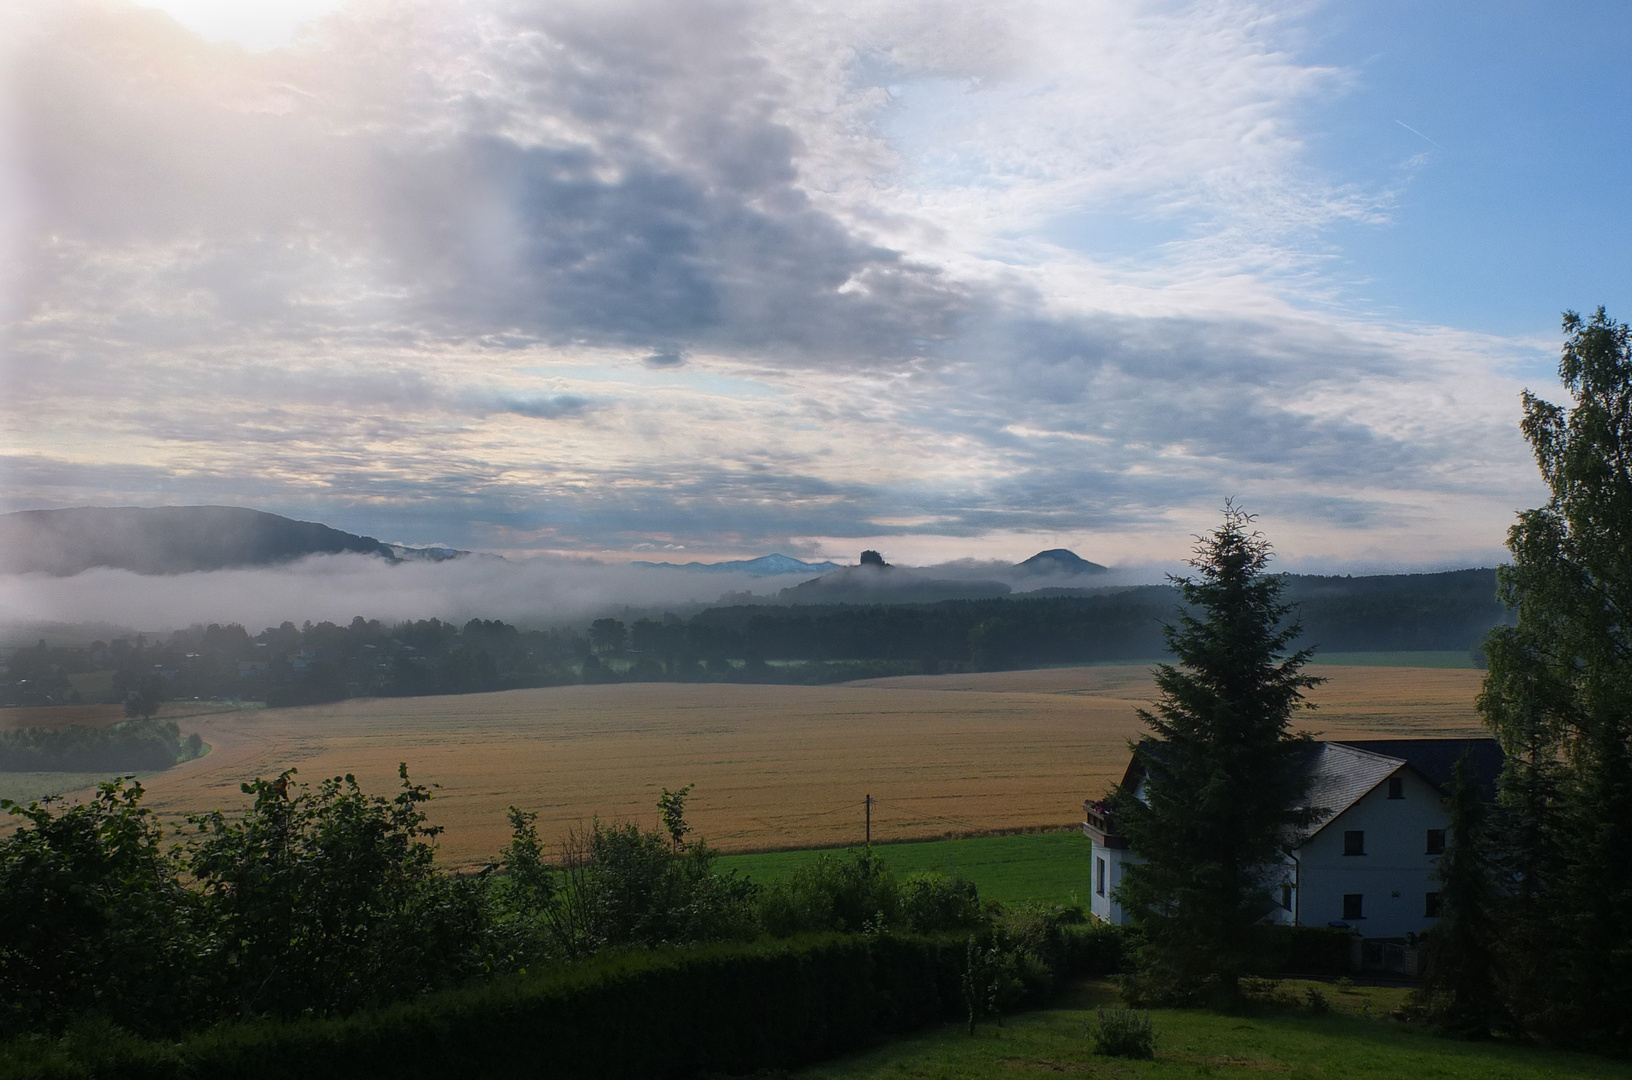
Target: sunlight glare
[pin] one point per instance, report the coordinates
(255, 24)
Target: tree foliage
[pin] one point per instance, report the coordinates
(327, 899)
(1222, 772)
(1559, 697)
(96, 919)
(1461, 985)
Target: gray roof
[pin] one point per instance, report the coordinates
(1340, 775)
(1436, 759)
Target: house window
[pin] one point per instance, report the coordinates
(1436, 841)
(1099, 876)
(1431, 908)
(1354, 842)
(1396, 787)
(1353, 906)
(1286, 896)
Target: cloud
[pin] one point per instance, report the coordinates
(539, 408)
(1041, 275)
(531, 593)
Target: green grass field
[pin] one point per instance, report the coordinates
(1031, 866)
(1354, 1042)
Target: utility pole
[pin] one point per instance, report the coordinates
(869, 841)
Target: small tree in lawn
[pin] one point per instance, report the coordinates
(672, 806)
(1223, 776)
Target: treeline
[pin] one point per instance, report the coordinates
(290, 665)
(1449, 611)
(132, 746)
(323, 901)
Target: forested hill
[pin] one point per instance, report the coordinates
(165, 539)
(1414, 612)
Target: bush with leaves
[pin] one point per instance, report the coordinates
(847, 893)
(621, 885)
(520, 900)
(323, 900)
(96, 921)
(1124, 1033)
(932, 903)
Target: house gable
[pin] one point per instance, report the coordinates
(1376, 850)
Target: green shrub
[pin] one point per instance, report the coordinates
(621, 886)
(1301, 950)
(327, 900)
(844, 893)
(932, 903)
(1124, 1033)
(1096, 949)
(95, 918)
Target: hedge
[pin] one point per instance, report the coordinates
(1303, 950)
(670, 1013)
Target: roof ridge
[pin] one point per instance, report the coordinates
(1361, 750)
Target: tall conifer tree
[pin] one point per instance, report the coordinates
(1462, 985)
(1223, 775)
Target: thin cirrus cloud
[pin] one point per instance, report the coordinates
(600, 277)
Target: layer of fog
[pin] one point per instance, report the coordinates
(532, 594)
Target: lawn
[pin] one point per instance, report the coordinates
(1050, 866)
(1354, 1041)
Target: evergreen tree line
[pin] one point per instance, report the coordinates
(323, 900)
(147, 745)
(1411, 612)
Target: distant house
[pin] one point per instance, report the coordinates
(1369, 861)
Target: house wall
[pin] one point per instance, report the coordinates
(1395, 874)
(1100, 904)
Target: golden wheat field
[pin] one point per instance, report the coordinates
(775, 766)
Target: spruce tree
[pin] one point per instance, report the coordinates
(1223, 773)
(1461, 988)
(1559, 697)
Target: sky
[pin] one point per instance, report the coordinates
(704, 280)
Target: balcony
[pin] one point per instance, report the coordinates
(1098, 827)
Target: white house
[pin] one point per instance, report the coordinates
(1369, 860)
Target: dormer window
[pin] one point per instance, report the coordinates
(1396, 787)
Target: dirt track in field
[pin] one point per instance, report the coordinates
(775, 766)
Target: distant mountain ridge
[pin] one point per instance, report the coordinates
(176, 540)
(764, 566)
(874, 581)
(1057, 561)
